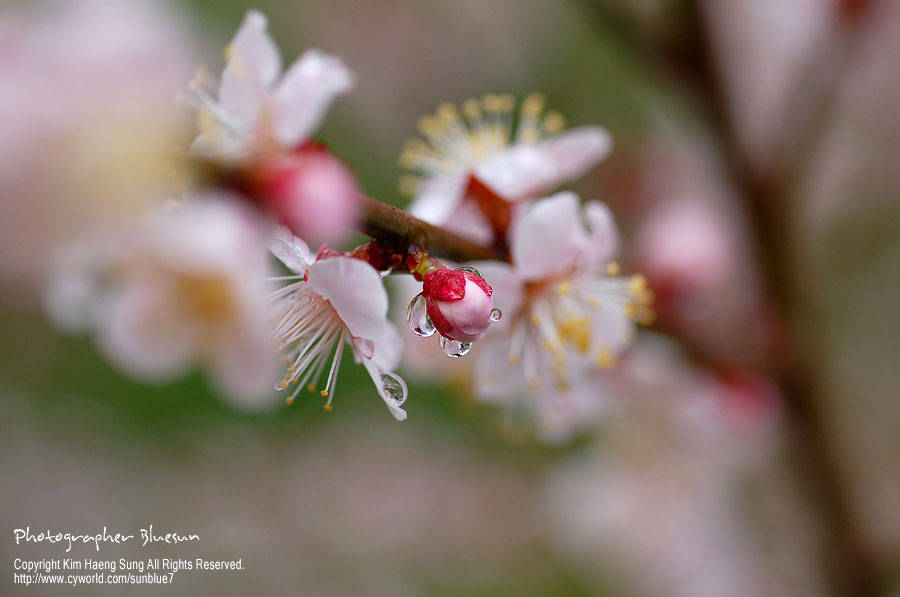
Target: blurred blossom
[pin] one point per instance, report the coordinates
(514, 163)
(331, 301)
(184, 288)
(90, 130)
(764, 51)
(265, 120)
(656, 500)
(685, 250)
(565, 310)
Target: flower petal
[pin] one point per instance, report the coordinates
(354, 289)
(144, 336)
(439, 197)
(253, 65)
(375, 373)
(548, 238)
(520, 172)
(389, 348)
(576, 151)
(290, 250)
(305, 93)
(603, 237)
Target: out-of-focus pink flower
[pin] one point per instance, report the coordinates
(565, 309)
(330, 302)
(89, 134)
(264, 121)
(312, 192)
(686, 250)
(257, 109)
(520, 162)
(185, 288)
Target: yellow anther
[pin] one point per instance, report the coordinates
(471, 108)
(564, 288)
(491, 102)
(576, 329)
(327, 408)
(289, 400)
(447, 112)
(612, 269)
(513, 359)
(311, 387)
(605, 359)
(506, 102)
(533, 105)
(554, 122)
(535, 320)
(284, 384)
(324, 393)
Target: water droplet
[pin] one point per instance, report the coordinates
(471, 270)
(496, 314)
(454, 348)
(364, 346)
(417, 317)
(394, 388)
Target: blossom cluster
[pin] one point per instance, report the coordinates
(171, 276)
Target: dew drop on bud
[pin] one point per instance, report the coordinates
(455, 348)
(496, 314)
(417, 317)
(471, 270)
(394, 388)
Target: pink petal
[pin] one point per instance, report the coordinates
(439, 197)
(253, 65)
(548, 238)
(519, 172)
(389, 348)
(375, 373)
(290, 250)
(603, 237)
(576, 151)
(354, 289)
(144, 336)
(305, 93)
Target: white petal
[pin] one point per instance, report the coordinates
(576, 151)
(603, 237)
(356, 292)
(522, 171)
(439, 197)
(611, 329)
(245, 369)
(290, 250)
(389, 348)
(548, 238)
(305, 93)
(495, 377)
(253, 65)
(375, 373)
(145, 336)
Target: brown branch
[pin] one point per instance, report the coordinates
(400, 231)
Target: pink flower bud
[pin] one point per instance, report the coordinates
(312, 192)
(459, 303)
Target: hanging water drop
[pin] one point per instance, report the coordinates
(496, 314)
(417, 317)
(394, 388)
(454, 348)
(471, 270)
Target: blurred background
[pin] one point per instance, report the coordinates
(752, 447)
